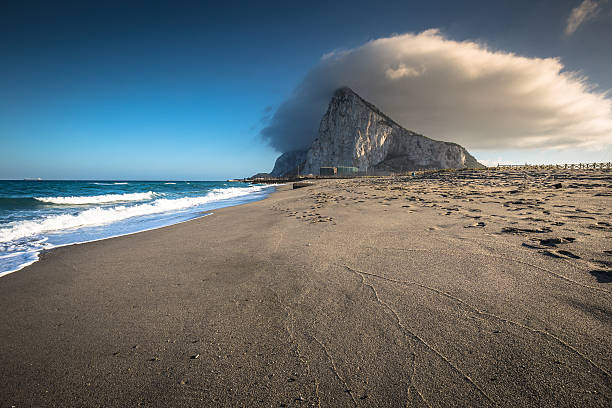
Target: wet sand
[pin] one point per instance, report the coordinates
(479, 289)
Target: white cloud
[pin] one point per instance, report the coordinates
(586, 11)
(456, 91)
(494, 162)
(403, 71)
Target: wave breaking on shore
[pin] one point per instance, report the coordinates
(83, 218)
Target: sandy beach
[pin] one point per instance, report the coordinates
(467, 289)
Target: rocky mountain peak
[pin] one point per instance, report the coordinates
(354, 132)
(344, 92)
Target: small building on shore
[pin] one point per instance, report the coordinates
(328, 171)
(347, 171)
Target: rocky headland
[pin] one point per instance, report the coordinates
(355, 133)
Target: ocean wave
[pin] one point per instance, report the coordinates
(169, 183)
(101, 216)
(110, 184)
(19, 203)
(98, 199)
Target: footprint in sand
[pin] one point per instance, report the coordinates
(602, 276)
(568, 254)
(516, 230)
(553, 242)
(602, 263)
(561, 254)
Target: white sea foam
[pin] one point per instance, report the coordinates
(98, 199)
(101, 216)
(11, 255)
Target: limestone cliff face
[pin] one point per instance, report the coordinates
(353, 132)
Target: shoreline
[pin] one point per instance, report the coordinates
(21, 267)
(373, 292)
(202, 213)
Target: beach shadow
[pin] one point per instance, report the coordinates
(602, 276)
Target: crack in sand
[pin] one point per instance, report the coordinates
(280, 239)
(551, 273)
(573, 264)
(413, 386)
(490, 249)
(492, 315)
(422, 398)
(293, 340)
(418, 338)
(335, 370)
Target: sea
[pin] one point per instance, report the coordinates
(40, 215)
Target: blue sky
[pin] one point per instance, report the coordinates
(178, 90)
